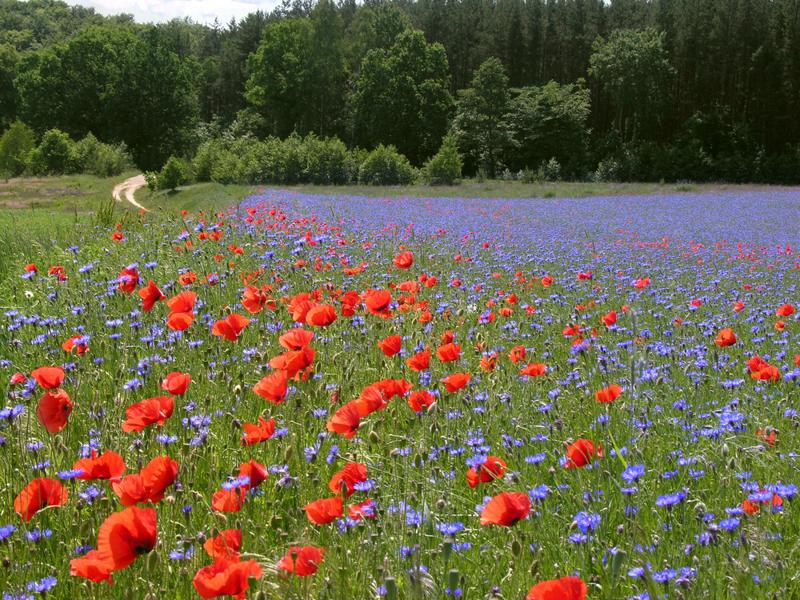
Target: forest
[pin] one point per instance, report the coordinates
(625, 90)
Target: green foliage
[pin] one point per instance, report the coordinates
(53, 155)
(550, 122)
(122, 86)
(326, 161)
(633, 68)
(444, 167)
(175, 172)
(385, 166)
(482, 124)
(297, 75)
(8, 92)
(402, 96)
(90, 155)
(16, 145)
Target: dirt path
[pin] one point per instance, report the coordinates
(128, 189)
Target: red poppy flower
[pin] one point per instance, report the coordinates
(391, 345)
(91, 566)
(231, 500)
(38, 495)
(150, 294)
(534, 370)
(50, 378)
(130, 490)
(750, 507)
(517, 354)
(377, 302)
(176, 383)
(566, 588)
(547, 281)
(491, 469)
(302, 560)
(581, 453)
(183, 302)
(324, 510)
(253, 434)
(19, 378)
(507, 508)
(608, 394)
(54, 410)
(738, 306)
(226, 577)
(642, 282)
(488, 362)
(128, 279)
(610, 318)
(351, 474)
(448, 352)
(296, 339)
(404, 260)
(321, 315)
(230, 327)
(294, 361)
(108, 465)
(273, 387)
(421, 399)
(725, 338)
(346, 420)
(148, 412)
(785, 310)
(362, 510)
(126, 535)
(179, 321)
(76, 345)
(225, 545)
(255, 471)
(420, 361)
(456, 381)
(768, 435)
(254, 300)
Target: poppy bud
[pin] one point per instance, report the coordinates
(725, 449)
(441, 503)
(434, 428)
(373, 437)
(287, 454)
(535, 567)
(151, 561)
(260, 595)
(516, 548)
(616, 563)
(391, 588)
(237, 389)
(417, 461)
(453, 579)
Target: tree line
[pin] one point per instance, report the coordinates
(624, 90)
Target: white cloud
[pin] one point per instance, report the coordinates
(200, 11)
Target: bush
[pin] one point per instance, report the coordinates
(90, 155)
(175, 172)
(326, 160)
(551, 170)
(16, 145)
(444, 168)
(385, 166)
(54, 154)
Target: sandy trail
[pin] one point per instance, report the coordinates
(128, 188)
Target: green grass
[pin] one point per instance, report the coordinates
(200, 196)
(41, 216)
(517, 189)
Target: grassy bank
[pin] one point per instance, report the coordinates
(517, 189)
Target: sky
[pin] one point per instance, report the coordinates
(200, 11)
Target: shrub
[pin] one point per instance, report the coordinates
(444, 168)
(551, 170)
(175, 172)
(53, 154)
(326, 160)
(90, 155)
(16, 145)
(385, 166)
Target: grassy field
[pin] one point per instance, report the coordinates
(568, 356)
(516, 189)
(41, 217)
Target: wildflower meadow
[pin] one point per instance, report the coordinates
(334, 397)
